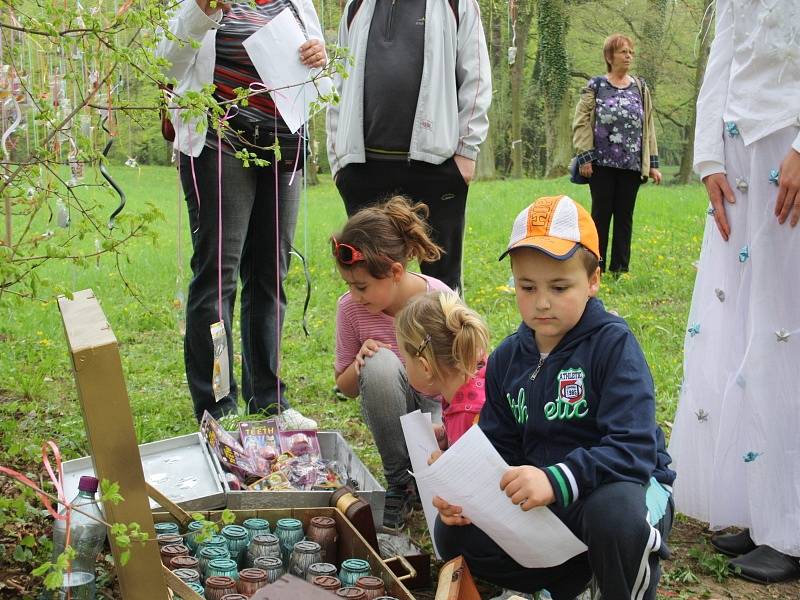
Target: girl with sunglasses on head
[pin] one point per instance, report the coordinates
(444, 345)
(372, 253)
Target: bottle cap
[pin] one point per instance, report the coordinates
(88, 484)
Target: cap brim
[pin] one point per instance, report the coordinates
(552, 247)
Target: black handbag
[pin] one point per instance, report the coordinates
(575, 173)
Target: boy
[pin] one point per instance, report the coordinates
(570, 405)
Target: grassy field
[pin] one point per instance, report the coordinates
(37, 392)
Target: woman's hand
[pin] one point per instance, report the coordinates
(450, 514)
(440, 434)
(585, 169)
(788, 201)
(368, 348)
(206, 6)
(312, 54)
(718, 193)
(527, 486)
(466, 166)
(655, 175)
(435, 456)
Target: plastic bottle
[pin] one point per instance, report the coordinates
(87, 537)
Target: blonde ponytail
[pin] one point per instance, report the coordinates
(440, 328)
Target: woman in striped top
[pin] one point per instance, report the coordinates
(257, 205)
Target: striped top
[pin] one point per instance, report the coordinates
(234, 69)
(355, 325)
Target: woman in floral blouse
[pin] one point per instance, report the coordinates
(615, 138)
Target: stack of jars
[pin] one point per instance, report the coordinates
(241, 559)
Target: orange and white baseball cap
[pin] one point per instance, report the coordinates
(556, 225)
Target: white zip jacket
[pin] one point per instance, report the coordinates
(752, 78)
(194, 67)
(452, 112)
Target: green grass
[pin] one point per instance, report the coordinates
(38, 392)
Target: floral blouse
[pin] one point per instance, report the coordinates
(619, 114)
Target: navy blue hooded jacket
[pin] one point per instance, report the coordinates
(585, 414)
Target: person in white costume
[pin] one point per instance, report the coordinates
(736, 439)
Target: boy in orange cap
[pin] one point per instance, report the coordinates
(570, 404)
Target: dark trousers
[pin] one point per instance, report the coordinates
(251, 253)
(614, 195)
(612, 521)
(440, 187)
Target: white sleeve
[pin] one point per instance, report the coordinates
(709, 128)
(188, 24)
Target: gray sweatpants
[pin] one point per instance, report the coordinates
(385, 397)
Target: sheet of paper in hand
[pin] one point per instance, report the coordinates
(274, 51)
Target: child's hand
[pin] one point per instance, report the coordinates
(368, 348)
(450, 514)
(527, 486)
(436, 454)
(441, 436)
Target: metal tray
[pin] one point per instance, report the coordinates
(333, 447)
(181, 467)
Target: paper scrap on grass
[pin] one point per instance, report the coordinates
(274, 51)
(421, 443)
(468, 475)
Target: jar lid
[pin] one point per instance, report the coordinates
(166, 527)
(215, 540)
(368, 582)
(220, 582)
(184, 562)
(212, 552)
(222, 564)
(327, 582)
(168, 539)
(266, 539)
(253, 574)
(195, 525)
(322, 568)
(323, 522)
(234, 531)
(234, 597)
(307, 547)
(87, 483)
(355, 564)
(351, 592)
(187, 574)
(256, 523)
(195, 587)
(291, 524)
(174, 549)
(268, 562)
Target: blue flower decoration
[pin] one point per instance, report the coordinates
(693, 330)
(731, 128)
(773, 176)
(711, 210)
(751, 456)
(741, 184)
(744, 254)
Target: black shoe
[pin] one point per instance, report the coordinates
(733, 544)
(766, 565)
(397, 507)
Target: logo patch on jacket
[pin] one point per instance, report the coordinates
(571, 401)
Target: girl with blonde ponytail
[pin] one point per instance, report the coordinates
(444, 345)
(372, 253)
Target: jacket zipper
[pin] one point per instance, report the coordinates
(389, 22)
(537, 369)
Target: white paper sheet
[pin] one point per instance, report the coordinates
(274, 51)
(421, 443)
(468, 475)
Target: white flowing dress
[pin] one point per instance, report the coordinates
(736, 437)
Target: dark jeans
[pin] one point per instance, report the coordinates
(612, 521)
(440, 187)
(614, 195)
(250, 252)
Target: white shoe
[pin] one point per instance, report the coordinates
(293, 419)
(512, 595)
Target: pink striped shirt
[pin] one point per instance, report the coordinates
(355, 325)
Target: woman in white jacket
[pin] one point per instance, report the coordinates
(242, 219)
(735, 443)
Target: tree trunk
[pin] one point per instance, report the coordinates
(487, 163)
(652, 43)
(687, 155)
(524, 16)
(553, 78)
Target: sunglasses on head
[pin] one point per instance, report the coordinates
(345, 253)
